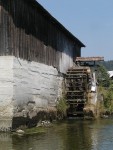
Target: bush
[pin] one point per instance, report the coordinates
(103, 77)
(62, 107)
(108, 100)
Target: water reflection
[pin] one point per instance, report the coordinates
(102, 135)
(69, 135)
(5, 141)
(75, 136)
(46, 141)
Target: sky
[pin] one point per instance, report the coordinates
(91, 21)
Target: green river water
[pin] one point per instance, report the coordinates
(67, 135)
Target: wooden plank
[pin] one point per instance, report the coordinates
(86, 59)
(76, 112)
(0, 15)
(79, 100)
(28, 31)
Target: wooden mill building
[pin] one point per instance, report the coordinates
(35, 50)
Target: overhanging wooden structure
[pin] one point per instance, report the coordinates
(89, 59)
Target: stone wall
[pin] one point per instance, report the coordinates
(26, 89)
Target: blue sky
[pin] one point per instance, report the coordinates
(89, 20)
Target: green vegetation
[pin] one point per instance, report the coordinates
(35, 130)
(30, 131)
(103, 77)
(105, 88)
(62, 107)
(108, 100)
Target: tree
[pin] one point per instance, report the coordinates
(108, 65)
(106, 85)
(103, 77)
(108, 100)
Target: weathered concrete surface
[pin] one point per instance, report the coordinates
(26, 89)
(6, 92)
(35, 84)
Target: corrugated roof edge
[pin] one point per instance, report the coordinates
(46, 13)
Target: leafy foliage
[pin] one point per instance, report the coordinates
(62, 107)
(108, 100)
(103, 77)
(105, 87)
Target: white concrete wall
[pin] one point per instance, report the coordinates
(26, 88)
(35, 82)
(6, 92)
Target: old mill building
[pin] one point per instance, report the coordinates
(35, 51)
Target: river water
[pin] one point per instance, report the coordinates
(68, 135)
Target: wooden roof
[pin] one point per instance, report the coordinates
(89, 59)
(44, 12)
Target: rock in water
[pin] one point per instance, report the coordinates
(20, 131)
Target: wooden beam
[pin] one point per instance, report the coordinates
(89, 59)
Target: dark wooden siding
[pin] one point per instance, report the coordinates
(3, 32)
(27, 33)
